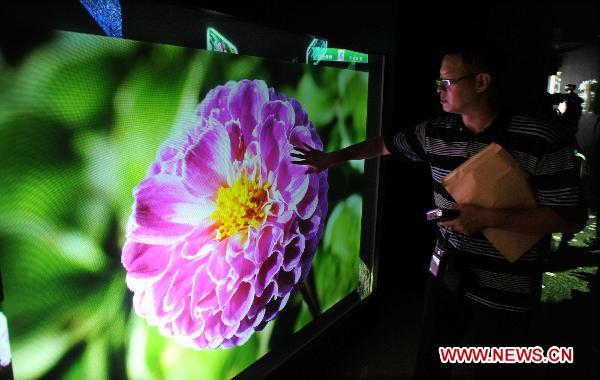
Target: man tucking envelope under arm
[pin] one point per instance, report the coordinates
(495, 303)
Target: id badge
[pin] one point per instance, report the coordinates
(436, 261)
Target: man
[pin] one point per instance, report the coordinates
(572, 108)
(492, 306)
(570, 113)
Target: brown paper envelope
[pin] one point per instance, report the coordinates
(492, 178)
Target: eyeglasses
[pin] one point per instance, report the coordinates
(449, 82)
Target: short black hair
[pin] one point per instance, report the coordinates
(480, 56)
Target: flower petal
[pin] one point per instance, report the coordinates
(215, 103)
(239, 304)
(202, 287)
(235, 138)
(200, 242)
(287, 280)
(300, 136)
(245, 103)
(293, 252)
(208, 163)
(165, 211)
(292, 182)
(188, 325)
(309, 227)
(180, 288)
(267, 271)
(145, 260)
(268, 236)
(273, 308)
(281, 111)
(315, 138)
(307, 206)
(271, 140)
(218, 267)
(243, 268)
(214, 329)
(261, 300)
(301, 118)
(236, 340)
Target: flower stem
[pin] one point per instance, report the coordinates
(309, 296)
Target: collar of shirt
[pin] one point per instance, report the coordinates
(495, 132)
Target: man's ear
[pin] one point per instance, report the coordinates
(483, 81)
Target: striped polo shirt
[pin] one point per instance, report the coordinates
(543, 152)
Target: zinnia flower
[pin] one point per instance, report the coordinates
(224, 226)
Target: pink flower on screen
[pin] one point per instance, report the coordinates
(224, 226)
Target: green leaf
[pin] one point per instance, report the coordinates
(240, 358)
(354, 92)
(351, 113)
(81, 251)
(41, 173)
(42, 347)
(179, 362)
(342, 233)
(244, 68)
(33, 140)
(52, 304)
(318, 102)
(93, 364)
(153, 356)
(304, 318)
(39, 194)
(37, 353)
(142, 357)
(93, 216)
(336, 265)
(70, 84)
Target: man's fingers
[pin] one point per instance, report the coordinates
(302, 162)
(308, 147)
(298, 155)
(300, 149)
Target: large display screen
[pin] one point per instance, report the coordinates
(153, 224)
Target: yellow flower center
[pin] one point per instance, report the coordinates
(240, 206)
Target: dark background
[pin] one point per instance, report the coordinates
(379, 338)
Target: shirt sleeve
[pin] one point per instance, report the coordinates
(408, 144)
(558, 183)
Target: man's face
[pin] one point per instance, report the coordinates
(460, 95)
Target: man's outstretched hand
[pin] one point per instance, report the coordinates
(315, 159)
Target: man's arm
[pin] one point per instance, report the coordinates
(318, 160)
(473, 219)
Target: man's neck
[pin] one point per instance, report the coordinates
(479, 119)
